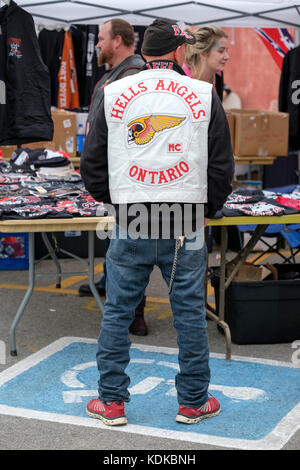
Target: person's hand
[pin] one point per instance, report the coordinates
(206, 221)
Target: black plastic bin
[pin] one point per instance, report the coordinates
(264, 312)
(76, 244)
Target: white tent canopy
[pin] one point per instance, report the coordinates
(233, 13)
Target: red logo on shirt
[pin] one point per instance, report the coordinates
(14, 47)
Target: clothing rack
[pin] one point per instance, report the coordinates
(55, 27)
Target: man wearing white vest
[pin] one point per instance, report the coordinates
(159, 152)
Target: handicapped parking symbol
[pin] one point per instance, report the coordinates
(147, 384)
(260, 398)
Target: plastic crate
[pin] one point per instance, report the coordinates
(263, 312)
(14, 253)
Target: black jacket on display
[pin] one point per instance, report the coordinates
(90, 72)
(51, 45)
(289, 94)
(25, 109)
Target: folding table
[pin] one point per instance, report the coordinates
(90, 224)
(262, 223)
(43, 226)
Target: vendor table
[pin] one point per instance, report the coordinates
(254, 160)
(262, 224)
(43, 226)
(90, 224)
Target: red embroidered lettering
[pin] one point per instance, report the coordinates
(133, 92)
(153, 173)
(177, 30)
(174, 147)
(172, 87)
(183, 92)
(171, 174)
(195, 104)
(189, 98)
(176, 168)
(162, 178)
(133, 171)
(142, 86)
(158, 177)
(142, 175)
(120, 103)
(116, 113)
(160, 85)
(125, 97)
(156, 65)
(201, 112)
(184, 167)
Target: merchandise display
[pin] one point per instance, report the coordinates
(247, 202)
(28, 192)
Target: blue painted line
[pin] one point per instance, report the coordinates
(259, 401)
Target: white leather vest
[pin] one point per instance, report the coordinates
(157, 137)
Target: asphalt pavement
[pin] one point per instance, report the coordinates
(58, 313)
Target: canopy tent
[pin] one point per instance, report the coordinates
(232, 13)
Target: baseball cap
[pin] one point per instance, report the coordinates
(164, 36)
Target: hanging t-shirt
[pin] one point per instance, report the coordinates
(51, 44)
(68, 96)
(91, 72)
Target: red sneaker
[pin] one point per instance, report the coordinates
(194, 415)
(112, 413)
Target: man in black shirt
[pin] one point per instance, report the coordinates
(116, 44)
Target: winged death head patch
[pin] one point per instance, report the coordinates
(143, 129)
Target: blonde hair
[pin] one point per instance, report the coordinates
(206, 38)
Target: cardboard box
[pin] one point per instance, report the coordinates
(260, 133)
(231, 121)
(65, 126)
(39, 145)
(81, 119)
(64, 138)
(7, 150)
(248, 272)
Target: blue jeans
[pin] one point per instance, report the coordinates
(129, 265)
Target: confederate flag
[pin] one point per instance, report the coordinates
(278, 41)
